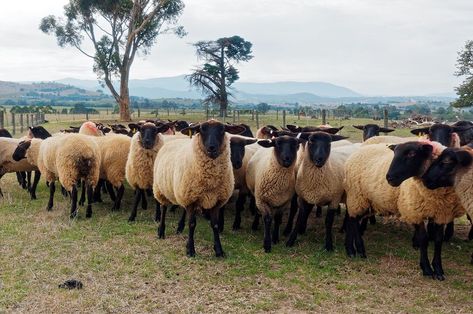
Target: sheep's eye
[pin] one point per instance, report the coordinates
(447, 161)
(411, 154)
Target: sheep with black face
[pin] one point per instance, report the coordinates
(271, 179)
(371, 130)
(197, 175)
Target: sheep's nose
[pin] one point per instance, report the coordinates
(212, 148)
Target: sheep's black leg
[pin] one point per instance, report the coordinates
(182, 222)
(277, 224)
(135, 205)
(162, 224)
(37, 176)
(415, 238)
(449, 231)
(173, 208)
(318, 211)
(190, 240)
(52, 189)
(437, 260)
(431, 230)
(349, 236)
(292, 214)
(82, 194)
(215, 225)
(74, 202)
(364, 225)
(372, 220)
(253, 210)
(144, 201)
(118, 199)
(255, 224)
(303, 208)
(90, 200)
(267, 219)
(344, 223)
(305, 219)
(98, 191)
(239, 206)
(157, 214)
(64, 192)
(111, 192)
(359, 243)
(423, 241)
(328, 228)
(28, 181)
(19, 178)
(104, 187)
(221, 218)
(470, 234)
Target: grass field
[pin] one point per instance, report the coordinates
(125, 268)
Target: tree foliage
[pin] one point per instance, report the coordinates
(218, 71)
(465, 69)
(117, 30)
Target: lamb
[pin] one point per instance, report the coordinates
(69, 158)
(371, 130)
(145, 145)
(319, 179)
(454, 167)
(392, 185)
(196, 175)
(270, 177)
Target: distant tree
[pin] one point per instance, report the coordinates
(465, 69)
(263, 107)
(117, 30)
(80, 108)
(218, 72)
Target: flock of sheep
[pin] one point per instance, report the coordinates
(200, 166)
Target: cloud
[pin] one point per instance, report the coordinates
(397, 47)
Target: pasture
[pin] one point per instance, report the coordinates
(125, 268)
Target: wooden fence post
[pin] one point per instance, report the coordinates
(2, 122)
(284, 118)
(13, 123)
(86, 116)
(253, 115)
(298, 114)
(21, 123)
(233, 117)
(385, 114)
(277, 114)
(238, 116)
(257, 119)
(324, 116)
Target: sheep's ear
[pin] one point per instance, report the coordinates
(392, 147)
(359, 127)
(272, 127)
(303, 136)
(191, 130)
(462, 128)
(386, 130)
(266, 143)
(421, 131)
(234, 129)
(293, 128)
(134, 127)
(163, 128)
(106, 130)
(250, 141)
(464, 158)
(331, 130)
(337, 137)
(427, 148)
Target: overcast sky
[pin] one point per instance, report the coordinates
(375, 47)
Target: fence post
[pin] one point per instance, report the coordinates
(284, 118)
(253, 115)
(233, 117)
(139, 112)
(168, 112)
(21, 123)
(277, 114)
(207, 113)
(298, 114)
(13, 123)
(238, 116)
(257, 119)
(324, 117)
(86, 116)
(2, 122)
(385, 113)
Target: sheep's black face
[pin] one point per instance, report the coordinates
(212, 135)
(237, 150)
(371, 130)
(443, 170)
(441, 133)
(285, 149)
(148, 133)
(181, 124)
(319, 146)
(20, 151)
(39, 132)
(465, 131)
(409, 160)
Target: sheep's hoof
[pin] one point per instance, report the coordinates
(161, 233)
(438, 277)
(351, 255)
(427, 271)
(329, 247)
(287, 231)
(190, 253)
(362, 255)
(73, 215)
(33, 196)
(131, 219)
(220, 254)
(267, 249)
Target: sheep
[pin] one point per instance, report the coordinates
(196, 175)
(324, 128)
(69, 158)
(265, 132)
(388, 139)
(270, 177)
(319, 179)
(90, 128)
(454, 167)
(145, 145)
(371, 130)
(466, 136)
(390, 184)
(5, 133)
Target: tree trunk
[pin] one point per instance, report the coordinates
(124, 102)
(223, 110)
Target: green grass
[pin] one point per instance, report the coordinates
(125, 268)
